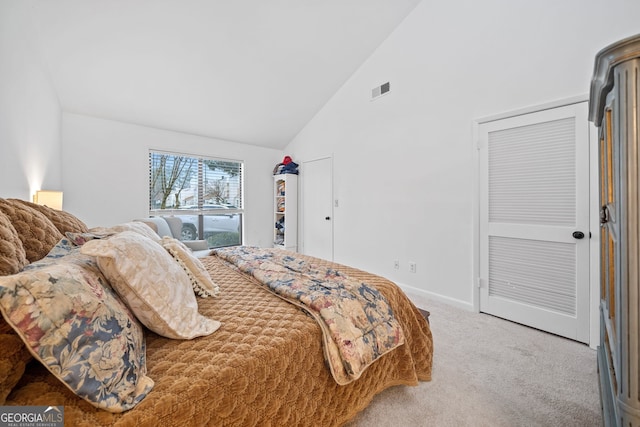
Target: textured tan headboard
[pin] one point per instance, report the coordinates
(29, 231)
(12, 255)
(37, 233)
(62, 220)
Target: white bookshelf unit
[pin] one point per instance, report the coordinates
(285, 217)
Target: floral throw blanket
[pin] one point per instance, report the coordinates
(357, 322)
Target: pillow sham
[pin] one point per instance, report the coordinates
(63, 249)
(12, 255)
(75, 325)
(37, 234)
(139, 227)
(152, 284)
(135, 226)
(198, 275)
(157, 224)
(149, 223)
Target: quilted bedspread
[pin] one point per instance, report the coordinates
(263, 367)
(357, 323)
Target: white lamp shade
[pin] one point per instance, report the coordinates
(52, 199)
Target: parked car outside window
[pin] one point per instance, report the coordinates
(213, 224)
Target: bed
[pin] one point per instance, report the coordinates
(265, 364)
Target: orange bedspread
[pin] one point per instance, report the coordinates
(263, 367)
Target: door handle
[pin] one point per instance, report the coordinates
(578, 235)
(328, 218)
(604, 215)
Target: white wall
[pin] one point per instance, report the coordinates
(404, 164)
(106, 178)
(29, 108)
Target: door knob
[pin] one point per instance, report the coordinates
(328, 218)
(604, 215)
(578, 234)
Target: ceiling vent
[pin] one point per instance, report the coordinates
(383, 89)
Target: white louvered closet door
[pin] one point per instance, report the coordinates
(534, 202)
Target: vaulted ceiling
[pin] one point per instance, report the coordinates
(251, 71)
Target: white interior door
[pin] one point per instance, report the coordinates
(317, 208)
(534, 220)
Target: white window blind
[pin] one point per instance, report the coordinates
(179, 181)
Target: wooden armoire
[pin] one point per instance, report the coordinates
(614, 107)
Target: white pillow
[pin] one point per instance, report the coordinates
(160, 223)
(199, 276)
(137, 226)
(152, 283)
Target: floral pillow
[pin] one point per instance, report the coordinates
(64, 248)
(198, 275)
(77, 327)
(152, 284)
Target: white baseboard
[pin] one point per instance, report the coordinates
(421, 298)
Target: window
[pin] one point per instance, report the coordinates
(205, 193)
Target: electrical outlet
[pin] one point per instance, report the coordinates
(412, 267)
(396, 264)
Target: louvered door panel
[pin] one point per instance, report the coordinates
(532, 174)
(538, 273)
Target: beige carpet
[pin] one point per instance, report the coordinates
(491, 372)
